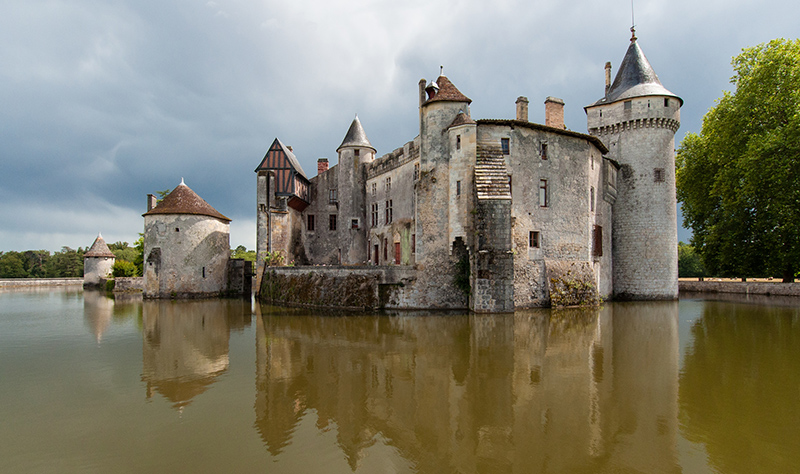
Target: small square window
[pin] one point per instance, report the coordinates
(505, 145)
(354, 224)
(628, 105)
(356, 152)
(658, 175)
(533, 239)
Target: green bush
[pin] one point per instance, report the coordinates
(123, 268)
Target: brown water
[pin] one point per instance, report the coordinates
(90, 384)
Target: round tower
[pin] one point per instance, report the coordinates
(637, 120)
(354, 151)
(98, 262)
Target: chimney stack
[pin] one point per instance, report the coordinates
(151, 202)
(608, 76)
(522, 108)
(554, 112)
(422, 98)
(322, 165)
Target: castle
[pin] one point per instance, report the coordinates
(491, 214)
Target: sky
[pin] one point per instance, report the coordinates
(105, 101)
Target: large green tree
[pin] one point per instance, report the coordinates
(739, 179)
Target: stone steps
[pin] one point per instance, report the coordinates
(491, 176)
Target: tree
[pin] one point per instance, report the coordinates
(739, 180)
(690, 265)
(66, 263)
(242, 252)
(11, 265)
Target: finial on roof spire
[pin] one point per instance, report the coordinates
(633, 34)
(633, 24)
(99, 235)
(441, 70)
(182, 183)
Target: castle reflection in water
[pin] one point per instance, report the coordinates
(556, 391)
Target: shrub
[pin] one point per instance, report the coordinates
(123, 268)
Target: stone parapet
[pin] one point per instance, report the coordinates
(742, 287)
(31, 282)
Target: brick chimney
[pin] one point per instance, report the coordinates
(554, 112)
(522, 108)
(322, 165)
(608, 76)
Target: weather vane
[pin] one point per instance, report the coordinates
(633, 24)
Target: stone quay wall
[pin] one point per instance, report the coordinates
(767, 288)
(343, 287)
(35, 282)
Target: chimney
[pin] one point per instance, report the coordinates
(289, 147)
(522, 108)
(608, 76)
(322, 165)
(422, 83)
(554, 112)
(151, 202)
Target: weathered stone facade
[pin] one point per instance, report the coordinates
(488, 214)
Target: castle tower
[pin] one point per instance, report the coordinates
(186, 247)
(436, 254)
(637, 120)
(97, 263)
(354, 151)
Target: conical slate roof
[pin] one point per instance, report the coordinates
(356, 137)
(182, 200)
(99, 249)
(635, 78)
(448, 92)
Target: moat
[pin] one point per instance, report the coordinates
(93, 384)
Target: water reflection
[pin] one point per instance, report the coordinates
(580, 390)
(739, 387)
(185, 345)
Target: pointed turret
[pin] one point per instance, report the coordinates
(99, 249)
(635, 78)
(356, 137)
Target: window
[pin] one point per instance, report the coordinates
(458, 142)
(332, 197)
(385, 249)
(177, 229)
(666, 102)
(658, 175)
(544, 198)
(504, 144)
(533, 239)
(374, 210)
(627, 105)
(354, 224)
(597, 241)
(388, 211)
(388, 184)
(397, 253)
(591, 199)
(356, 152)
(458, 188)
(376, 255)
(413, 243)
(310, 224)
(332, 222)
(544, 151)
(374, 189)
(416, 171)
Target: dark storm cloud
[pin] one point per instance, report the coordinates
(105, 101)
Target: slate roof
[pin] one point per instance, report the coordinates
(99, 249)
(182, 200)
(356, 137)
(448, 92)
(635, 78)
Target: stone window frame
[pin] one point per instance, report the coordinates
(534, 239)
(544, 193)
(333, 196)
(310, 223)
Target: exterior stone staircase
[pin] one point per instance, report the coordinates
(491, 176)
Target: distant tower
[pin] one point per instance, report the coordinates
(97, 263)
(637, 120)
(354, 151)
